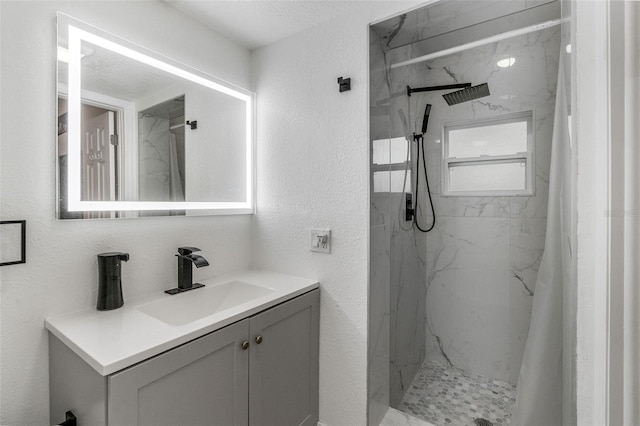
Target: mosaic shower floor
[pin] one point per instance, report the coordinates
(449, 396)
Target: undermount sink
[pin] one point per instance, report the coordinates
(197, 304)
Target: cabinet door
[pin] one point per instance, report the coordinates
(283, 368)
(203, 382)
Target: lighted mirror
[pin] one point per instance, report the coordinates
(140, 134)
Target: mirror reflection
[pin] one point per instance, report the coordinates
(141, 136)
(161, 147)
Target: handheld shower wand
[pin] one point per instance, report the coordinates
(425, 118)
(411, 212)
(425, 123)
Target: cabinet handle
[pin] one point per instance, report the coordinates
(245, 345)
(259, 339)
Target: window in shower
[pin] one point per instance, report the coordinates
(489, 156)
(389, 164)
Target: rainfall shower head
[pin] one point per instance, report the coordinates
(467, 94)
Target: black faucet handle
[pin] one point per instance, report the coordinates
(124, 257)
(185, 251)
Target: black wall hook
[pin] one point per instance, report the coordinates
(345, 84)
(193, 124)
(70, 419)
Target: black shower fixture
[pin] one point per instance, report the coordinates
(410, 210)
(468, 92)
(425, 122)
(425, 118)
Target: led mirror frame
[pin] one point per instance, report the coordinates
(74, 202)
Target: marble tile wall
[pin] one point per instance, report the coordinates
(447, 16)
(380, 252)
(155, 166)
(408, 267)
(397, 269)
(408, 301)
(482, 257)
(379, 310)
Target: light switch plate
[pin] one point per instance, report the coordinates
(321, 240)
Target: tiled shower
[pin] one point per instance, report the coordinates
(450, 309)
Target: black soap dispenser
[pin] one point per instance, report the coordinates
(110, 280)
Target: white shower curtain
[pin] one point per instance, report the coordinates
(539, 392)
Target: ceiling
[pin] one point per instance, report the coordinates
(257, 23)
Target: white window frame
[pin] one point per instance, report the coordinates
(527, 157)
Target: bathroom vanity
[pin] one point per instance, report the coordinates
(252, 359)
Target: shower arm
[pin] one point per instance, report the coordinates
(434, 88)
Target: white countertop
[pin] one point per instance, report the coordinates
(112, 340)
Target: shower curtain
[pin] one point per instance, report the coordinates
(175, 187)
(539, 391)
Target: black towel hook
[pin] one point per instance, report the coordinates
(344, 83)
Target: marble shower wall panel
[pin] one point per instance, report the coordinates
(379, 249)
(526, 246)
(446, 17)
(481, 276)
(401, 124)
(379, 337)
(482, 258)
(155, 164)
(397, 269)
(408, 299)
(408, 267)
(468, 294)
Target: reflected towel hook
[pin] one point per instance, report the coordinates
(193, 124)
(70, 419)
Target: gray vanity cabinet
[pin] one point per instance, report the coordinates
(283, 364)
(261, 371)
(200, 383)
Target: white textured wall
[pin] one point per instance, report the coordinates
(313, 171)
(61, 273)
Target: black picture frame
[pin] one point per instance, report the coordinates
(23, 247)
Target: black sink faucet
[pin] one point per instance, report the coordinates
(185, 277)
